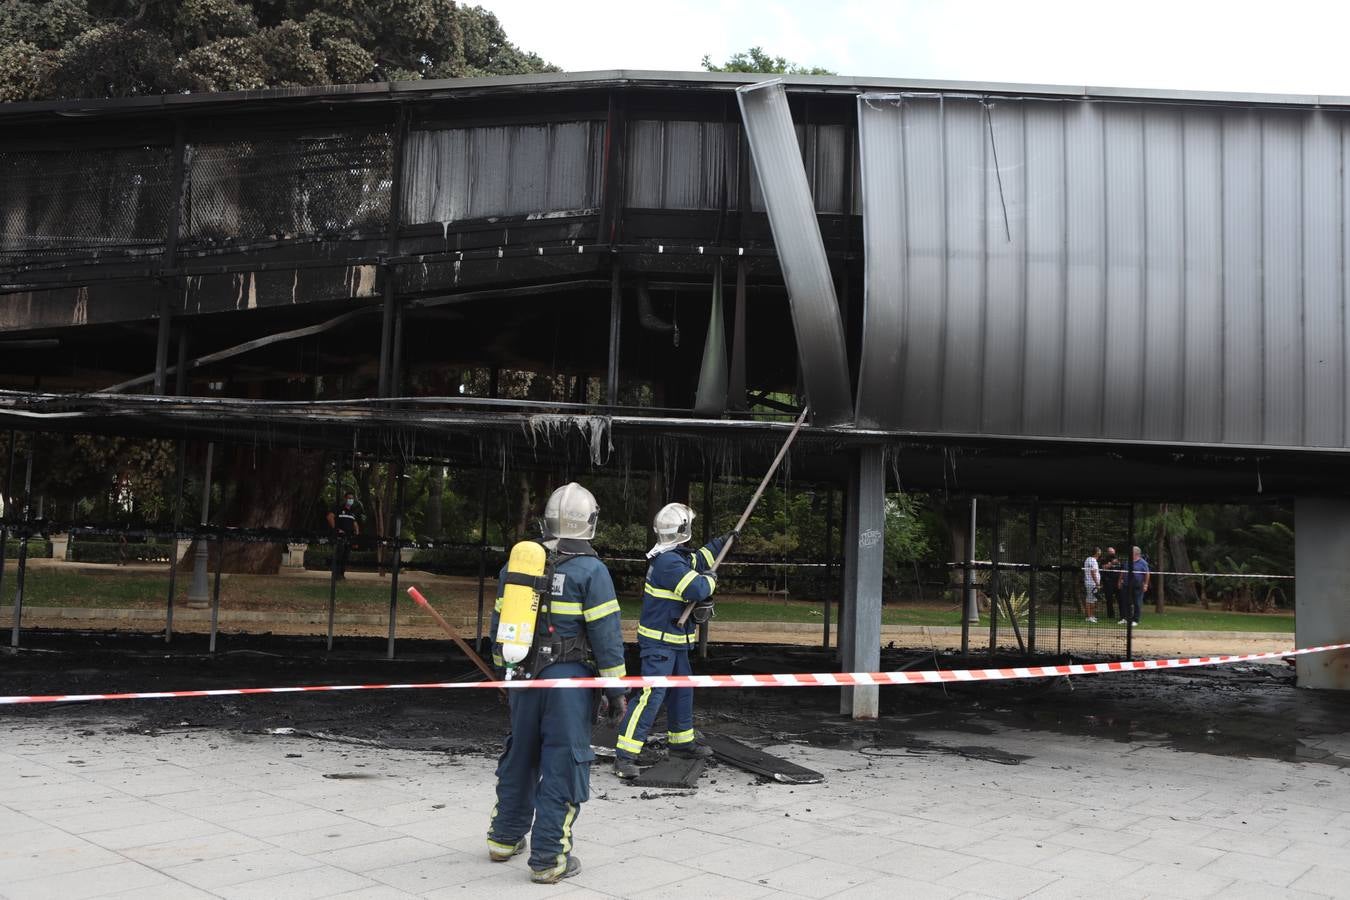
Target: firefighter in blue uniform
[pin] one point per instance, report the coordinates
(676, 577)
(543, 777)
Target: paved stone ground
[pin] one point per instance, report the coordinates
(88, 808)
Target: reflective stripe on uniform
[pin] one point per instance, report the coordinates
(677, 638)
(614, 671)
(685, 582)
(568, 819)
(498, 661)
(497, 607)
(661, 593)
(500, 847)
(609, 607)
(707, 555)
(681, 737)
(565, 607)
(626, 741)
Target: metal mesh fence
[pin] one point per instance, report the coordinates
(282, 188)
(83, 201)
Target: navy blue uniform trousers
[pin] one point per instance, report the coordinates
(544, 775)
(679, 702)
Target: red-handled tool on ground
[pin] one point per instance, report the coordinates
(454, 635)
(759, 492)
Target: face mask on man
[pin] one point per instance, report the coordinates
(348, 502)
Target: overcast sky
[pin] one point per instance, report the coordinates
(1291, 46)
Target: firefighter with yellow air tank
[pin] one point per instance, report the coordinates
(557, 616)
(676, 577)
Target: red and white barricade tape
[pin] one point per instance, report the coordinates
(828, 679)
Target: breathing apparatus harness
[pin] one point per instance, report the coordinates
(547, 647)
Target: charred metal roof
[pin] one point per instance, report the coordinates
(433, 89)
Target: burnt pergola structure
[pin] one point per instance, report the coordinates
(1046, 292)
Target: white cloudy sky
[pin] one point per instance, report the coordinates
(1289, 46)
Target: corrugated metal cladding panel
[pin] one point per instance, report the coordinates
(676, 164)
(458, 174)
(801, 252)
(682, 164)
(1128, 270)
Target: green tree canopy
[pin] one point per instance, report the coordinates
(54, 49)
(756, 60)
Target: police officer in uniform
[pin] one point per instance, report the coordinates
(544, 775)
(676, 577)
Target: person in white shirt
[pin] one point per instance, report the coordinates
(1092, 583)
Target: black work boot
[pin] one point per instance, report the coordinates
(556, 874)
(691, 750)
(626, 767)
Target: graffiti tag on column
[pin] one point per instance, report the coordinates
(869, 538)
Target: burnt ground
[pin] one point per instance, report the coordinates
(1235, 711)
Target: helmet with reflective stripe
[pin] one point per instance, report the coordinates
(674, 524)
(571, 512)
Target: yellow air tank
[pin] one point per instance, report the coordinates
(520, 603)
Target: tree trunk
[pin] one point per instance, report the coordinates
(1161, 604)
(279, 488)
(1181, 562)
(431, 523)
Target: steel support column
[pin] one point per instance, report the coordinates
(1322, 565)
(864, 561)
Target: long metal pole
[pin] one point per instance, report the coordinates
(1059, 585)
(968, 584)
(215, 591)
(196, 598)
(993, 583)
(1035, 570)
(4, 517)
(333, 559)
(398, 556)
(23, 543)
(829, 564)
(1129, 585)
(615, 334)
(179, 476)
(482, 558)
(180, 479)
(759, 492)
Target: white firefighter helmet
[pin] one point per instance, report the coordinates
(674, 524)
(571, 512)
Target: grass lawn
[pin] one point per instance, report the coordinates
(112, 589)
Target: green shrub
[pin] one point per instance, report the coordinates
(87, 551)
(38, 548)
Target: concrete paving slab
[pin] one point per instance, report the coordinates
(1074, 815)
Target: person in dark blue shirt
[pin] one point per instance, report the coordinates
(543, 777)
(1135, 584)
(676, 577)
